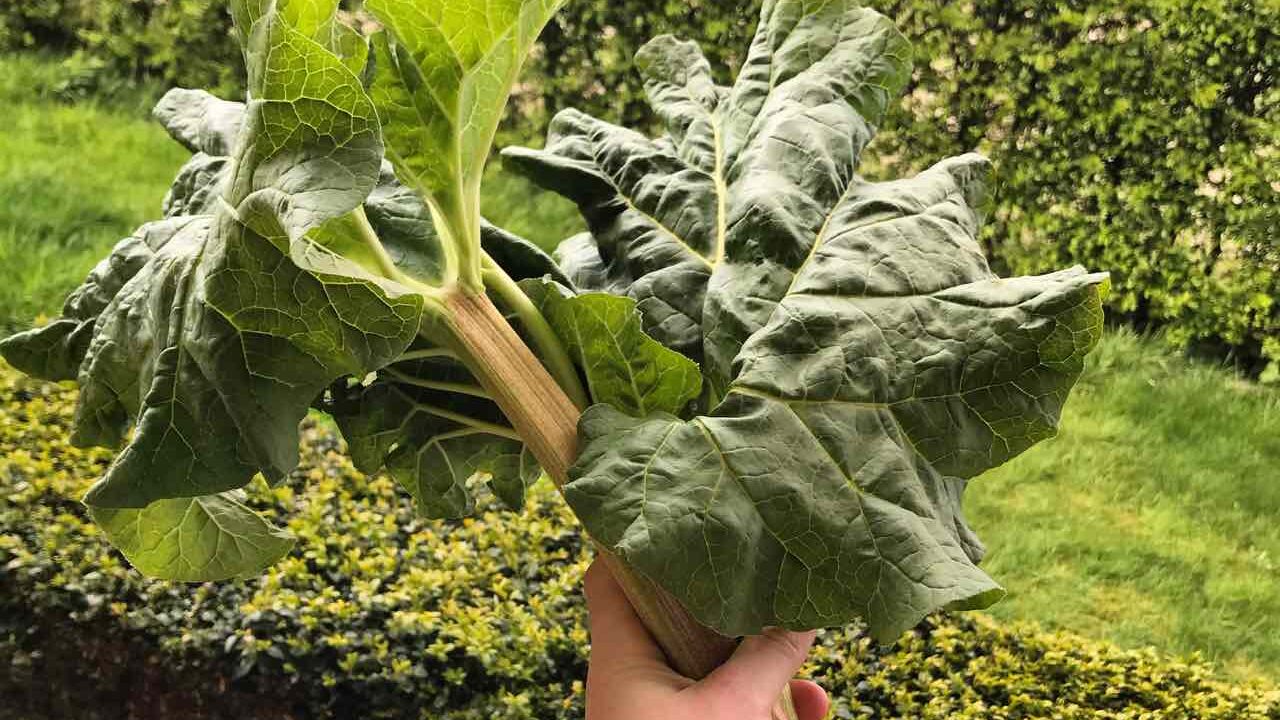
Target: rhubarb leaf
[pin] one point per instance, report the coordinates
(195, 539)
(444, 467)
(829, 489)
(652, 219)
(403, 224)
(705, 226)
(623, 366)
(213, 333)
(443, 73)
(200, 122)
(431, 436)
(55, 351)
(864, 361)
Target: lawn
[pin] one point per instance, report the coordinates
(73, 181)
(1149, 521)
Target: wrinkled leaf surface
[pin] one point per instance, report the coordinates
(864, 363)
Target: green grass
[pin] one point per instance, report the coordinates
(1154, 518)
(74, 180)
(526, 210)
(1151, 520)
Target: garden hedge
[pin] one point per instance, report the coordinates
(112, 45)
(379, 614)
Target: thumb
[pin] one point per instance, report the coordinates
(759, 669)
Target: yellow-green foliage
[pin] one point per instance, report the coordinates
(376, 612)
(969, 668)
(379, 614)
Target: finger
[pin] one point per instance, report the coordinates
(618, 638)
(810, 700)
(760, 667)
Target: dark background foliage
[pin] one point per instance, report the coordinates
(111, 45)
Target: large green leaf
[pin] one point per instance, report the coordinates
(864, 361)
(281, 269)
(827, 485)
(705, 225)
(200, 122)
(55, 351)
(404, 227)
(257, 336)
(397, 213)
(444, 71)
(139, 368)
(195, 539)
(427, 423)
(624, 367)
(208, 127)
(652, 219)
(447, 463)
(212, 333)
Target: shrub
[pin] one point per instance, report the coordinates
(175, 42)
(379, 614)
(1142, 138)
(37, 23)
(586, 59)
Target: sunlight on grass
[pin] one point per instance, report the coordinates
(74, 180)
(1151, 519)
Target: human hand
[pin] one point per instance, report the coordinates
(629, 678)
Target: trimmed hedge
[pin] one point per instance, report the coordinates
(112, 45)
(379, 614)
(1140, 137)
